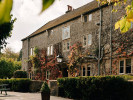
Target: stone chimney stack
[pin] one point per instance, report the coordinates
(69, 8)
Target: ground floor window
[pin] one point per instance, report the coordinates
(125, 66)
(47, 74)
(85, 71)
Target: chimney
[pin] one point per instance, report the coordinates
(69, 8)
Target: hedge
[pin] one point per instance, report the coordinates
(20, 74)
(17, 84)
(96, 88)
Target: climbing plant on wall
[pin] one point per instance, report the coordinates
(40, 63)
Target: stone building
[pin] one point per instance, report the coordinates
(93, 26)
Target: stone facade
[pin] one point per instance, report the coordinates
(78, 29)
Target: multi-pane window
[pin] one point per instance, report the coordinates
(66, 45)
(47, 74)
(65, 32)
(88, 70)
(125, 66)
(122, 66)
(89, 39)
(84, 40)
(32, 51)
(90, 17)
(128, 65)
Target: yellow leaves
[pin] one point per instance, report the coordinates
(5, 9)
(123, 24)
(46, 4)
(130, 16)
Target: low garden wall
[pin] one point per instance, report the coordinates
(96, 88)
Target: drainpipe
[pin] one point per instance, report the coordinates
(100, 30)
(111, 7)
(28, 55)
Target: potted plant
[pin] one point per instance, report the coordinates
(45, 91)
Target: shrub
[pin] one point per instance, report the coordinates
(20, 74)
(96, 88)
(45, 88)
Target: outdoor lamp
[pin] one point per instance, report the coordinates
(59, 58)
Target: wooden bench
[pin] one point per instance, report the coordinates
(4, 87)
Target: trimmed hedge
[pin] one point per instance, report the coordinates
(17, 84)
(20, 74)
(96, 88)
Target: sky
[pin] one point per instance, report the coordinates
(29, 18)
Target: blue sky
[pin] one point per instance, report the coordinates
(29, 19)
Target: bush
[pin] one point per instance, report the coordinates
(20, 74)
(7, 67)
(96, 88)
(45, 88)
(17, 84)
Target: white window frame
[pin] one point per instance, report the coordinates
(32, 51)
(66, 32)
(51, 50)
(90, 17)
(48, 50)
(89, 40)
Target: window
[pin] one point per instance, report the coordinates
(65, 32)
(90, 17)
(32, 51)
(50, 50)
(128, 65)
(89, 39)
(88, 70)
(47, 74)
(66, 45)
(84, 40)
(84, 71)
(122, 66)
(85, 18)
(125, 66)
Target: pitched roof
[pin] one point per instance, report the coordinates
(66, 17)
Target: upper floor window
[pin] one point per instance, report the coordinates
(65, 32)
(85, 18)
(87, 40)
(50, 50)
(84, 40)
(66, 45)
(32, 51)
(90, 17)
